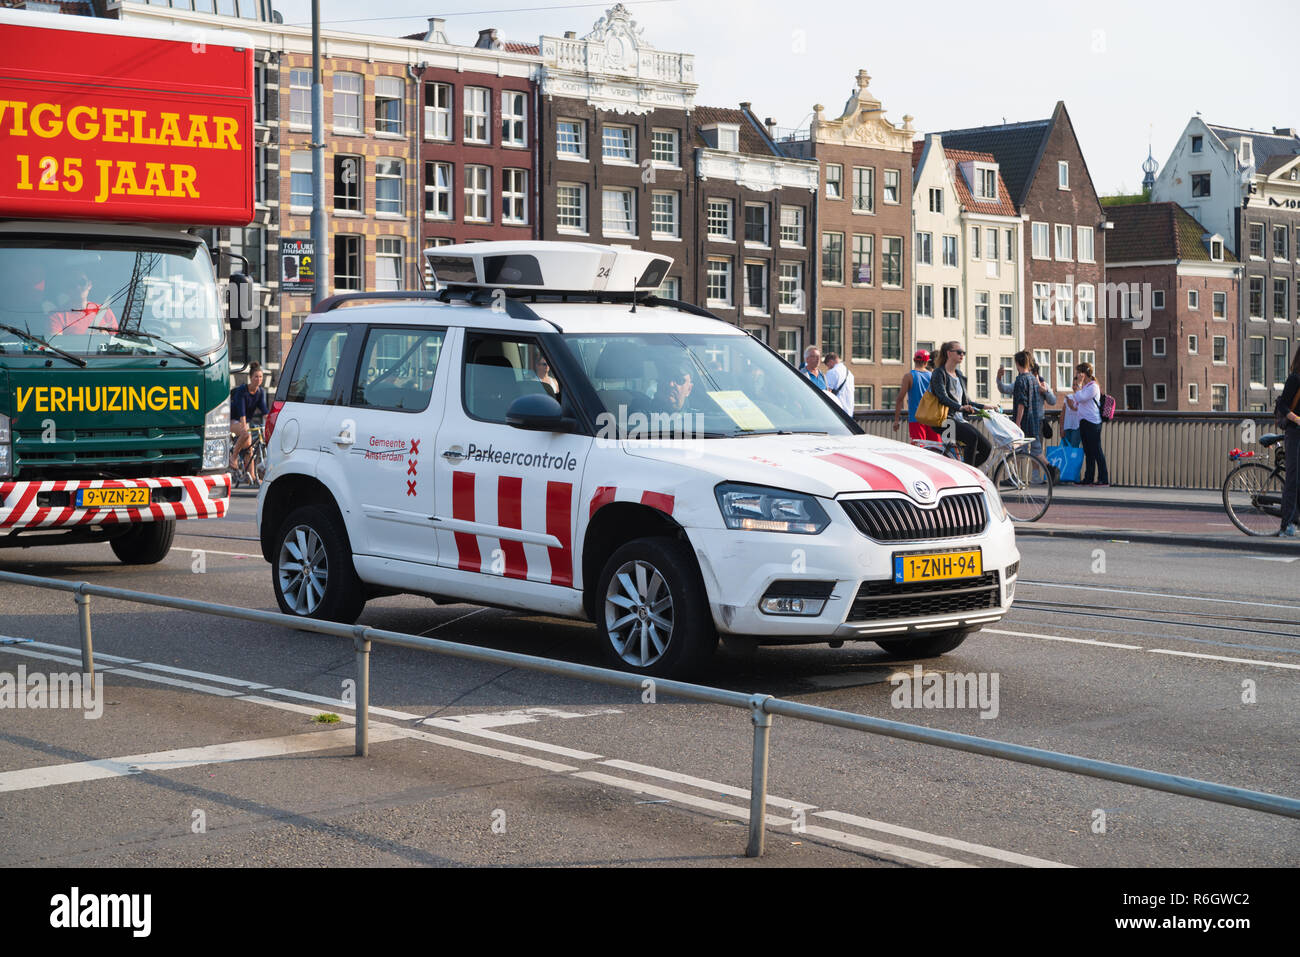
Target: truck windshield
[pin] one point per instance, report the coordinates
(718, 386)
(96, 297)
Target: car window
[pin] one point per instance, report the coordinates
(313, 379)
(500, 369)
(397, 369)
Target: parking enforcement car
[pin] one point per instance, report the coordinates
(544, 433)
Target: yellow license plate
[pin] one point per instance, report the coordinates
(937, 566)
(112, 497)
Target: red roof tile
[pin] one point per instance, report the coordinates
(1003, 206)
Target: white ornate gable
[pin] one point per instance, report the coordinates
(614, 68)
(862, 123)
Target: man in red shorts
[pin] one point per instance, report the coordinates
(915, 384)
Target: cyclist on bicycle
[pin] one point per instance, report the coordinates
(949, 386)
(247, 406)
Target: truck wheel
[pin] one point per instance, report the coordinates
(926, 646)
(652, 613)
(146, 544)
(311, 567)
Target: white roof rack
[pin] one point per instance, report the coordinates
(537, 266)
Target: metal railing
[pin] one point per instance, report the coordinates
(1149, 449)
(761, 707)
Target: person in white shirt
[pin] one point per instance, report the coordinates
(839, 382)
(1086, 401)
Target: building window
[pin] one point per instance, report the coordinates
(833, 258)
(862, 337)
(720, 219)
(893, 186)
(1006, 368)
(617, 144)
(300, 184)
(891, 336)
(347, 183)
(1216, 250)
(347, 263)
(1009, 251)
(1279, 300)
(1193, 345)
(437, 190)
(790, 296)
(1041, 239)
(1220, 302)
(514, 118)
(981, 314)
(925, 301)
(981, 377)
(950, 302)
(1087, 303)
(924, 249)
(300, 98)
(1135, 297)
(670, 288)
(1042, 302)
(1200, 185)
(389, 194)
(1193, 393)
(1006, 314)
(347, 102)
(891, 262)
(571, 207)
(719, 282)
(792, 225)
(756, 287)
(1279, 242)
(1218, 398)
(1257, 361)
(1255, 299)
(1063, 242)
(833, 331)
(1220, 345)
(864, 256)
(1064, 302)
(1256, 234)
(390, 105)
(664, 148)
(664, 221)
(1064, 370)
(975, 242)
(478, 194)
(991, 244)
(834, 181)
(862, 396)
(437, 111)
(1063, 174)
(571, 139)
(478, 118)
(1085, 237)
(788, 346)
(618, 212)
(514, 196)
(936, 200)
(1193, 299)
(388, 263)
(729, 137)
(757, 224)
(864, 189)
(1133, 396)
(986, 184)
(950, 250)
(1158, 346)
(1196, 143)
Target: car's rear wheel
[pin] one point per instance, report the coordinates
(652, 612)
(924, 646)
(312, 568)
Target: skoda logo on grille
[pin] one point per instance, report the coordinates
(923, 490)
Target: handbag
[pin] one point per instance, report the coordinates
(1047, 429)
(1068, 460)
(930, 411)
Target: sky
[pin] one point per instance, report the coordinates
(1130, 73)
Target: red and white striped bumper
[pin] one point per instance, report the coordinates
(20, 502)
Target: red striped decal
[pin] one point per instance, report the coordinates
(878, 479)
(462, 507)
(192, 489)
(25, 498)
(658, 500)
(510, 514)
(604, 495)
(939, 476)
(559, 518)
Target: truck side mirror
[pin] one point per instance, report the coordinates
(239, 309)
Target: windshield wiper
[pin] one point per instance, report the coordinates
(149, 335)
(45, 345)
(781, 432)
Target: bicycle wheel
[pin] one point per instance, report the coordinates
(1252, 496)
(1024, 481)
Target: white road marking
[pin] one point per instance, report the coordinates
(704, 784)
(1078, 641)
(526, 759)
(1272, 558)
(739, 811)
(450, 725)
(892, 851)
(1235, 661)
(339, 703)
(1010, 857)
(1159, 594)
(175, 682)
(182, 551)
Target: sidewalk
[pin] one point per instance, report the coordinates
(1138, 497)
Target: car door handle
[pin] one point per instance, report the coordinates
(455, 454)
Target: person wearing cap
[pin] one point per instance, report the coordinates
(916, 383)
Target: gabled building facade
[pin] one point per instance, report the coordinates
(1174, 340)
(1062, 251)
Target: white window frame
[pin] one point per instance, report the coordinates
(951, 297)
(1086, 298)
(1214, 387)
(837, 180)
(925, 249)
(761, 310)
(1157, 298)
(389, 254)
(656, 136)
(1041, 232)
(1157, 347)
(982, 321)
(790, 294)
(1158, 392)
(514, 121)
(299, 165)
(565, 191)
(1007, 311)
(440, 193)
(396, 91)
(1193, 299)
(674, 230)
(986, 183)
(1063, 232)
(924, 301)
(1219, 344)
(950, 252)
(580, 140)
(514, 196)
(936, 200)
(1043, 303)
(712, 221)
(622, 152)
(1082, 254)
(1064, 370)
(766, 242)
(396, 170)
(1193, 344)
(864, 190)
(477, 113)
(797, 227)
(718, 267)
(627, 229)
(1193, 393)
(1062, 174)
(301, 92)
(342, 97)
(478, 193)
(1064, 303)
(897, 188)
(437, 118)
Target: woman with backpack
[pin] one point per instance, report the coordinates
(1086, 401)
(1288, 416)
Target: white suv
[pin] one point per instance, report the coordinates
(532, 437)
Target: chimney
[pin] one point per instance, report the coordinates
(487, 40)
(570, 35)
(770, 123)
(1284, 131)
(436, 33)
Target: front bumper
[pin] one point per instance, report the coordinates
(51, 504)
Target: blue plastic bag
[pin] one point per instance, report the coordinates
(1068, 460)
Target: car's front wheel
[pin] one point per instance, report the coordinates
(652, 612)
(924, 646)
(145, 544)
(312, 568)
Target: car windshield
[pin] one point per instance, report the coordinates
(108, 298)
(698, 386)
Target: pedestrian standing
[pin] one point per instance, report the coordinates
(1070, 433)
(1288, 404)
(1087, 402)
(839, 382)
(812, 358)
(915, 384)
(1027, 402)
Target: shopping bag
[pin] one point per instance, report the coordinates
(1068, 459)
(1002, 430)
(930, 411)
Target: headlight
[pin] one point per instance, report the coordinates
(216, 424)
(996, 508)
(757, 509)
(6, 452)
(216, 455)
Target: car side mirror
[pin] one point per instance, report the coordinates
(538, 412)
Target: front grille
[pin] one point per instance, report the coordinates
(123, 453)
(900, 520)
(885, 600)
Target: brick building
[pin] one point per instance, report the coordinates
(1173, 340)
(863, 227)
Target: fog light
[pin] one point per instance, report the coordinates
(792, 606)
(219, 491)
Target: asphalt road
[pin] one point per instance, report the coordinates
(1174, 659)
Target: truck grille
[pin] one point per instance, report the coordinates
(123, 453)
(884, 600)
(899, 520)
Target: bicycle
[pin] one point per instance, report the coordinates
(252, 464)
(1023, 479)
(1252, 492)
